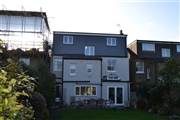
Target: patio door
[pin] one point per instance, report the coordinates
(115, 95)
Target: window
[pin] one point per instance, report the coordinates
(178, 48)
(148, 47)
(85, 90)
(148, 73)
(89, 50)
(166, 52)
(58, 90)
(67, 39)
(139, 67)
(25, 61)
(111, 65)
(89, 68)
(78, 92)
(111, 41)
(57, 64)
(72, 69)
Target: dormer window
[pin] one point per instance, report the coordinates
(89, 51)
(178, 48)
(67, 39)
(111, 41)
(148, 47)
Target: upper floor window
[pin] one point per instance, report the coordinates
(111, 41)
(148, 47)
(111, 65)
(139, 67)
(178, 48)
(89, 68)
(67, 39)
(166, 52)
(89, 50)
(57, 64)
(148, 73)
(25, 61)
(72, 69)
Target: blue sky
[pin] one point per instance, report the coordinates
(140, 19)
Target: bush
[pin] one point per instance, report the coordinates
(40, 107)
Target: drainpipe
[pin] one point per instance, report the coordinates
(62, 79)
(101, 80)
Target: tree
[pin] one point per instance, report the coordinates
(45, 79)
(162, 96)
(171, 84)
(15, 91)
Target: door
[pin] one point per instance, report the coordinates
(115, 95)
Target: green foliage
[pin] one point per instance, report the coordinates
(163, 96)
(46, 80)
(15, 90)
(40, 106)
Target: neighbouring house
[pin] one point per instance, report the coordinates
(91, 66)
(24, 29)
(25, 35)
(147, 58)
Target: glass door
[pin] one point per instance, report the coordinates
(115, 95)
(112, 95)
(119, 95)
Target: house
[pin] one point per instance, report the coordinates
(147, 58)
(91, 66)
(24, 29)
(25, 35)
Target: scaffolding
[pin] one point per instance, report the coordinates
(24, 29)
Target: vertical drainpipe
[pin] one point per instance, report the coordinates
(101, 78)
(129, 89)
(129, 92)
(62, 79)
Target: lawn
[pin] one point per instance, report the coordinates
(105, 114)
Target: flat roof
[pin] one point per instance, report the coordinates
(154, 41)
(27, 14)
(159, 41)
(89, 33)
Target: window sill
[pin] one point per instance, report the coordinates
(139, 72)
(111, 45)
(72, 74)
(85, 95)
(111, 71)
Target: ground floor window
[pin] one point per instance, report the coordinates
(85, 90)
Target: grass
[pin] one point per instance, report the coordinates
(105, 114)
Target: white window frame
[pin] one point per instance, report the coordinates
(72, 67)
(115, 87)
(141, 67)
(112, 64)
(148, 47)
(165, 52)
(89, 50)
(86, 86)
(25, 60)
(111, 41)
(178, 48)
(67, 39)
(57, 64)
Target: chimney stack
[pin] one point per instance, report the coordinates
(121, 32)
